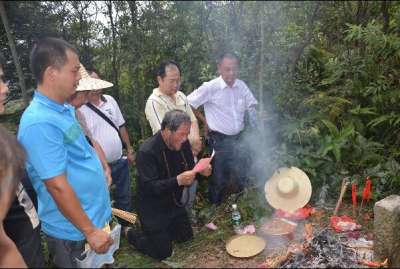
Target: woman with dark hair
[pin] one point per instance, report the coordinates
(12, 160)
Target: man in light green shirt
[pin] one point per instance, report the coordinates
(165, 98)
(168, 97)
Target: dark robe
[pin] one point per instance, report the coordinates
(162, 216)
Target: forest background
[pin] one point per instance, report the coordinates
(326, 74)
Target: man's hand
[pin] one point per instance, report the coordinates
(107, 173)
(186, 178)
(131, 156)
(99, 240)
(207, 172)
(70, 206)
(196, 146)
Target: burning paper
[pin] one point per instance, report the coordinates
(323, 251)
(299, 214)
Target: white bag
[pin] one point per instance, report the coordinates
(94, 260)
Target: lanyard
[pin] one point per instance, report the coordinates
(178, 204)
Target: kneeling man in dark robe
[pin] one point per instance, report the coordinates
(164, 167)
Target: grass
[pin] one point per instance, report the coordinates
(207, 248)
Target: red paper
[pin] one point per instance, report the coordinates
(344, 224)
(299, 214)
(201, 165)
(366, 194)
(367, 190)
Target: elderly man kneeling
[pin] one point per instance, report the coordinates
(164, 166)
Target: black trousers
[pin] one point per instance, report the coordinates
(31, 250)
(228, 161)
(158, 243)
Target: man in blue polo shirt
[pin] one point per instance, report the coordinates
(73, 199)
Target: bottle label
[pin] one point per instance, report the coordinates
(236, 219)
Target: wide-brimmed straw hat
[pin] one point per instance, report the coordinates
(288, 189)
(87, 83)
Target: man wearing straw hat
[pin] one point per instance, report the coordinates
(77, 100)
(66, 173)
(106, 125)
(164, 166)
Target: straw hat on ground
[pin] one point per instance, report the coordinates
(87, 83)
(288, 189)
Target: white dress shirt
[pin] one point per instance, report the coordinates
(224, 106)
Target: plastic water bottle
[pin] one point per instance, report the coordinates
(236, 218)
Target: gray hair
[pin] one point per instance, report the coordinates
(173, 119)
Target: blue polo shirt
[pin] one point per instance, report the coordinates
(55, 145)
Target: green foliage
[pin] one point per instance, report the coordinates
(336, 140)
(253, 205)
(349, 116)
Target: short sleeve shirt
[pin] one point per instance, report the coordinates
(158, 104)
(102, 131)
(224, 106)
(55, 145)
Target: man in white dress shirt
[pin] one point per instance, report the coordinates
(226, 100)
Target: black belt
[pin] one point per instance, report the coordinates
(224, 136)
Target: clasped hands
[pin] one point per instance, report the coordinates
(186, 178)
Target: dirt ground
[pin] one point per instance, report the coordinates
(214, 255)
(208, 250)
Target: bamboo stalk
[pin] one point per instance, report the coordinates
(128, 216)
(345, 182)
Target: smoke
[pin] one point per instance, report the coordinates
(259, 143)
(275, 32)
(263, 68)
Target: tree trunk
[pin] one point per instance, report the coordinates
(10, 38)
(114, 50)
(298, 50)
(385, 15)
(261, 69)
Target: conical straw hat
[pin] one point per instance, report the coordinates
(288, 189)
(87, 83)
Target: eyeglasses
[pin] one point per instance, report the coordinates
(3, 79)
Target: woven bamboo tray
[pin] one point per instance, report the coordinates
(125, 215)
(245, 245)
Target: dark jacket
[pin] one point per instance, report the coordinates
(156, 188)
